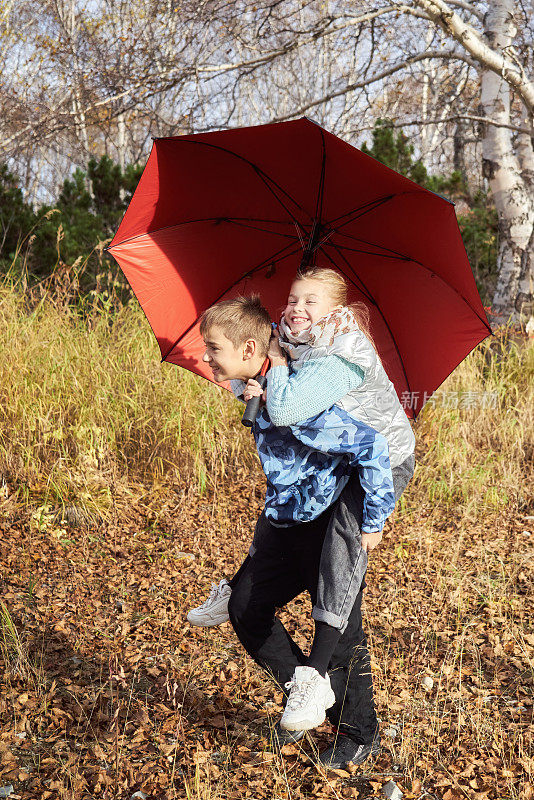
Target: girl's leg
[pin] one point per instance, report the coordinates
(350, 672)
(350, 676)
(340, 575)
(324, 643)
(343, 562)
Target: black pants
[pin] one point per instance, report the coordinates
(286, 563)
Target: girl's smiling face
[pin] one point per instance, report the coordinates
(308, 301)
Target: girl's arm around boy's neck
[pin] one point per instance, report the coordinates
(317, 385)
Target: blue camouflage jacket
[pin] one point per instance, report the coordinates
(307, 466)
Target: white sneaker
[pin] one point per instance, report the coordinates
(310, 696)
(214, 610)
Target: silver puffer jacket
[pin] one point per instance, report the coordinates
(375, 401)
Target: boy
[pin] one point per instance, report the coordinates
(306, 471)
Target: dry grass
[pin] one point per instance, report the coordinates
(89, 415)
(87, 410)
(14, 650)
(477, 457)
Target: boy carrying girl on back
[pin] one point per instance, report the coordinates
(307, 466)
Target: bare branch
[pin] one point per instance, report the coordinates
(449, 21)
(271, 55)
(469, 8)
(440, 54)
(471, 117)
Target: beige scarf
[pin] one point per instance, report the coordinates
(321, 334)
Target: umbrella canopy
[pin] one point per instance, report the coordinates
(232, 212)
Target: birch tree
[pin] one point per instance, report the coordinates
(508, 156)
(509, 166)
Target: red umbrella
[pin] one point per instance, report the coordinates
(231, 212)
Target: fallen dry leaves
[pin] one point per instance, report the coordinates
(112, 691)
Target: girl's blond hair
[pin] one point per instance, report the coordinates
(338, 290)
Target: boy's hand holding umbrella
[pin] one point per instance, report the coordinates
(254, 389)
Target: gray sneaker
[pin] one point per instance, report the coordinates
(279, 737)
(346, 751)
(214, 610)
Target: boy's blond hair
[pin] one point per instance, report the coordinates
(239, 319)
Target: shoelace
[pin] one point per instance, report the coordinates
(215, 589)
(298, 692)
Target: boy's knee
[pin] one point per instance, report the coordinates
(246, 610)
(236, 604)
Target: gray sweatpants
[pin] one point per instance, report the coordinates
(343, 562)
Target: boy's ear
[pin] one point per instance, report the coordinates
(250, 348)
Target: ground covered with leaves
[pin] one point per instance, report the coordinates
(106, 690)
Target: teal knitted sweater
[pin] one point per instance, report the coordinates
(320, 383)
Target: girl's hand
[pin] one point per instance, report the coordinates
(371, 540)
(253, 389)
(275, 354)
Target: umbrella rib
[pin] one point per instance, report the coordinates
(380, 201)
(320, 194)
(299, 234)
(324, 239)
(265, 179)
(374, 303)
(372, 244)
(254, 166)
(218, 219)
(363, 288)
(312, 244)
(370, 206)
(370, 252)
(402, 257)
(258, 170)
(279, 256)
(263, 230)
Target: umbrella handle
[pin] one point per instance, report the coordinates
(253, 405)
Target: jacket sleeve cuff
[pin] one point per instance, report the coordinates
(238, 387)
(281, 372)
(373, 527)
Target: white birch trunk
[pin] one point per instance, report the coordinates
(121, 148)
(67, 15)
(508, 166)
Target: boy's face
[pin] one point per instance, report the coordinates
(228, 362)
